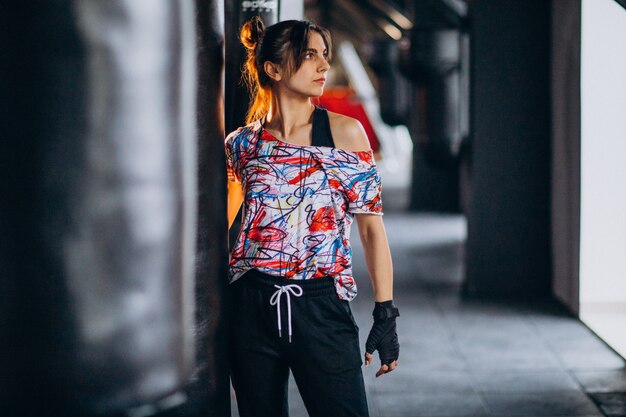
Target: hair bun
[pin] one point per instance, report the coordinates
(252, 32)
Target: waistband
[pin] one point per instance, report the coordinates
(313, 287)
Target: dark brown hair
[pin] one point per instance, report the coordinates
(282, 43)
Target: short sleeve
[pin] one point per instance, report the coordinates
(363, 186)
(238, 147)
(232, 170)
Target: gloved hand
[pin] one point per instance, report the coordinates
(383, 337)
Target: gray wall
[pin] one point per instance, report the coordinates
(566, 18)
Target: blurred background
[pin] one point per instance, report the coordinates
(498, 128)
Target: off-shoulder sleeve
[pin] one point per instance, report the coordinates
(361, 183)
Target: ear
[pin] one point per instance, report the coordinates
(273, 71)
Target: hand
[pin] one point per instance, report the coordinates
(383, 337)
(384, 369)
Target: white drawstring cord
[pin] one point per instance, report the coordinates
(275, 300)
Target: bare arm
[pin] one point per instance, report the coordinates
(349, 134)
(234, 200)
(379, 264)
(377, 255)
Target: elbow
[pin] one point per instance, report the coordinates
(365, 233)
(370, 231)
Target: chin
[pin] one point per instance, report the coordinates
(318, 93)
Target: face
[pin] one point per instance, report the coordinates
(310, 78)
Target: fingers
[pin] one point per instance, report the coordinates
(385, 369)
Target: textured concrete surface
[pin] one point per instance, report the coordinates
(470, 357)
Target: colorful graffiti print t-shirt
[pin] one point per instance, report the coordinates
(298, 206)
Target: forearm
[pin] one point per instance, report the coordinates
(378, 258)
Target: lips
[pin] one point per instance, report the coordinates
(320, 80)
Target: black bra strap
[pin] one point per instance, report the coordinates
(321, 135)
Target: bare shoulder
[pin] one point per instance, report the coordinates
(348, 133)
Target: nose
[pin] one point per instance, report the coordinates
(325, 66)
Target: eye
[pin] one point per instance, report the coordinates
(308, 55)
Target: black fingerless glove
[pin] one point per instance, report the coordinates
(383, 336)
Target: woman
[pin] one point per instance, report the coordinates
(302, 174)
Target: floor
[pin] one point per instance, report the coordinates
(475, 358)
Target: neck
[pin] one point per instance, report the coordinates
(288, 114)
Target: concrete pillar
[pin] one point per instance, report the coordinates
(508, 246)
(433, 55)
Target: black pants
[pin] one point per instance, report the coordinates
(324, 353)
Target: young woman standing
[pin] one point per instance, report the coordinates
(303, 174)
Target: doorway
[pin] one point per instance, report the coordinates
(603, 171)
